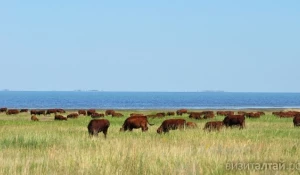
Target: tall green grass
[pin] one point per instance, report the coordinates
(64, 147)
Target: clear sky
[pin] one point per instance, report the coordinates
(157, 45)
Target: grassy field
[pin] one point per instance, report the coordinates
(64, 147)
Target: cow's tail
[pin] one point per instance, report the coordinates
(184, 125)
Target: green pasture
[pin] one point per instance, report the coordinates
(64, 147)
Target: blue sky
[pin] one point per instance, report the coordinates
(236, 46)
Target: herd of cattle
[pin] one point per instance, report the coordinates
(137, 120)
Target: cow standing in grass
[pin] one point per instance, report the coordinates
(98, 125)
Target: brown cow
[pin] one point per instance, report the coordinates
(34, 118)
(296, 120)
(195, 115)
(117, 114)
(51, 111)
(73, 115)
(98, 125)
(109, 112)
(90, 112)
(170, 113)
(59, 117)
(232, 120)
(213, 125)
(24, 110)
(252, 115)
(97, 115)
(136, 114)
(136, 122)
(83, 112)
(171, 124)
(37, 112)
(3, 109)
(12, 111)
(191, 125)
(181, 111)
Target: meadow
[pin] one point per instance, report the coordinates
(64, 147)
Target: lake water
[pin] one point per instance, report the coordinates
(147, 100)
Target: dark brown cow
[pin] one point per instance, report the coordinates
(59, 117)
(170, 113)
(34, 118)
(12, 111)
(97, 115)
(181, 111)
(109, 112)
(136, 122)
(232, 120)
(213, 125)
(191, 125)
(24, 110)
(73, 115)
(83, 112)
(171, 124)
(117, 114)
(98, 125)
(90, 112)
(296, 120)
(3, 109)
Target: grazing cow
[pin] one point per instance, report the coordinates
(83, 112)
(90, 112)
(296, 120)
(98, 125)
(97, 115)
(195, 115)
(24, 110)
(252, 115)
(3, 109)
(213, 125)
(60, 111)
(225, 113)
(136, 114)
(208, 115)
(232, 120)
(136, 122)
(116, 114)
(109, 112)
(51, 111)
(181, 111)
(37, 112)
(59, 117)
(34, 118)
(12, 111)
(72, 115)
(191, 125)
(171, 124)
(170, 113)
